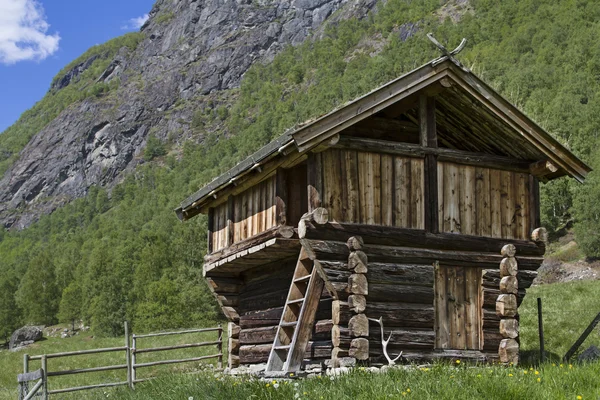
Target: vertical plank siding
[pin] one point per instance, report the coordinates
(458, 308)
(372, 188)
(252, 212)
(483, 201)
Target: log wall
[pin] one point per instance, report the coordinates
(250, 213)
(483, 201)
(261, 301)
(373, 188)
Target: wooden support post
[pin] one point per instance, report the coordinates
(230, 220)
(534, 203)
(541, 329)
(506, 306)
(314, 181)
(281, 197)
(44, 377)
(427, 121)
(128, 356)
(428, 138)
(220, 348)
(431, 194)
(210, 228)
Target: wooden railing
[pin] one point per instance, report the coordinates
(131, 352)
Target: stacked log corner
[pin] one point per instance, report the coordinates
(506, 307)
(358, 289)
(233, 345)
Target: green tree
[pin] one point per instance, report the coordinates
(154, 148)
(9, 311)
(70, 304)
(587, 211)
(38, 296)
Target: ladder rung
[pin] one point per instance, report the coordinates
(286, 324)
(285, 347)
(302, 279)
(297, 301)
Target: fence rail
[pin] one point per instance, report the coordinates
(130, 362)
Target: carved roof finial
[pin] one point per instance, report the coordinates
(448, 55)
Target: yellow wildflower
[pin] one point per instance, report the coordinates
(510, 374)
(579, 397)
(537, 372)
(539, 379)
(408, 390)
(403, 393)
(458, 361)
(524, 372)
(268, 384)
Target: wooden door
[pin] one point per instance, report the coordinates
(458, 308)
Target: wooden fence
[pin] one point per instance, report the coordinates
(131, 366)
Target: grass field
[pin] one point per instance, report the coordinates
(12, 362)
(568, 309)
(436, 382)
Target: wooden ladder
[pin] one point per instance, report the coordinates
(297, 319)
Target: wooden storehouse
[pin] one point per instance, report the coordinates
(415, 206)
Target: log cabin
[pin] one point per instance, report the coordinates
(411, 213)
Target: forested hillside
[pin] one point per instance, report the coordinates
(122, 254)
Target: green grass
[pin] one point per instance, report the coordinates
(437, 382)
(568, 309)
(12, 362)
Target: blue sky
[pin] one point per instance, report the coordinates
(39, 37)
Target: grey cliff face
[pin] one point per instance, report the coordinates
(192, 49)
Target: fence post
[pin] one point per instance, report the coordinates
(25, 363)
(128, 355)
(220, 348)
(541, 330)
(44, 378)
(133, 373)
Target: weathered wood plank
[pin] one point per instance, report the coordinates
(496, 203)
(483, 202)
(508, 204)
(444, 154)
(391, 254)
(314, 181)
(387, 190)
(395, 236)
(441, 328)
(351, 201)
(406, 315)
(402, 206)
(472, 308)
(417, 184)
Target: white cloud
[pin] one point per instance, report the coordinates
(134, 23)
(23, 32)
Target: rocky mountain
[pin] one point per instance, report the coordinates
(192, 55)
